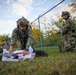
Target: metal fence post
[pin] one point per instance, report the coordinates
(40, 33)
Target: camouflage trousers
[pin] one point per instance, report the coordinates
(68, 45)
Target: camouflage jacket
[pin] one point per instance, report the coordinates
(68, 28)
(17, 33)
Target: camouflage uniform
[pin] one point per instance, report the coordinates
(5, 44)
(25, 38)
(68, 30)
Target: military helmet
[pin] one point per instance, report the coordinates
(23, 22)
(65, 13)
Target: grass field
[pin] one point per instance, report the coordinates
(56, 63)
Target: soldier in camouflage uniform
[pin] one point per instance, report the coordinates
(68, 30)
(23, 33)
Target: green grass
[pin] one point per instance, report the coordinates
(56, 63)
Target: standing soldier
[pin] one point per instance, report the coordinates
(68, 31)
(23, 33)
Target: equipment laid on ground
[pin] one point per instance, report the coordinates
(17, 55)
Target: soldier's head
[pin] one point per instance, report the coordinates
(22, 24)
(65, 15)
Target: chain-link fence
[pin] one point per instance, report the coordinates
(44, 26)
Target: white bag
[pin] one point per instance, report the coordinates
(10, 57)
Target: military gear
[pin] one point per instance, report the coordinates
(69, 34)
(65, 13)
(41, 53)
(25, 38)
(22, 22)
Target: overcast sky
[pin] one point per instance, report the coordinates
(12, 10)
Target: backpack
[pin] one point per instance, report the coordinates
(41, 53)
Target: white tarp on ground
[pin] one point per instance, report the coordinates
(17, 55)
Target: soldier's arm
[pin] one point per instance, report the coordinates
(13, 40)
(30, 37)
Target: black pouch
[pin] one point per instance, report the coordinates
(41, 53)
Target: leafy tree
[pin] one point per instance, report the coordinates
(36, 35)
(6, 37)
(1, 39)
